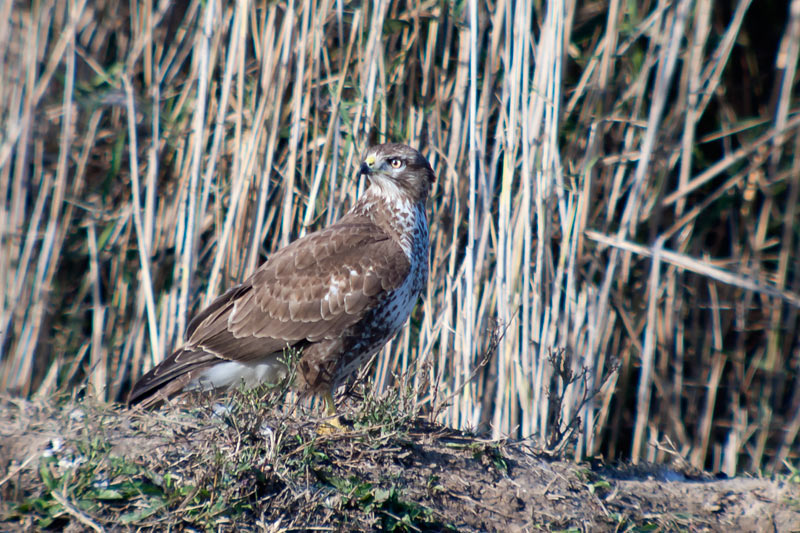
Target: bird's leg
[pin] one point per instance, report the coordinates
(332, 424)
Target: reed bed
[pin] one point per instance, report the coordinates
(615, 225)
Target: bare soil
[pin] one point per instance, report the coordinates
(82, 466)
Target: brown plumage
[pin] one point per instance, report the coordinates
(338, 294)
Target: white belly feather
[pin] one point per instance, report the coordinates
(230, 374)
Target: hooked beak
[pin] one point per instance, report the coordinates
(366, 166)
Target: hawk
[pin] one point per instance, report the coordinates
(337, 295)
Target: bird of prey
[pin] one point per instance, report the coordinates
(337, 295)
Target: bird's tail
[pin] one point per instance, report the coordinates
(169, 377)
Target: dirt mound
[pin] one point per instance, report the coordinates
(258, 465)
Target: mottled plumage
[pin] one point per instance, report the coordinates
(338, 295)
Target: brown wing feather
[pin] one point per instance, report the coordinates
(232, 294)
(313, 289)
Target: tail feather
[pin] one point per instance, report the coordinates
(169, 377)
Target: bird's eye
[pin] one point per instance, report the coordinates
(396, 163)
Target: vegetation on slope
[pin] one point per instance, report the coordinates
(257, 462)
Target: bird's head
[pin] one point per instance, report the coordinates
(398, 171)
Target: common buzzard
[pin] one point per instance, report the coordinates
(338, 295)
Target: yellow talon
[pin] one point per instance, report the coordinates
(332, 425)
